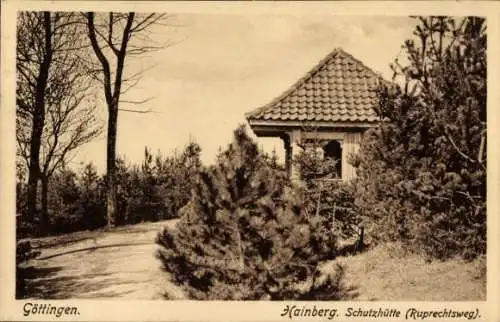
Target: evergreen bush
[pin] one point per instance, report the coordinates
(422, 172)
(63, 202)
(244, 234)
(92, 198)
(326, 195)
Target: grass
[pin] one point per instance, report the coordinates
(386, 273)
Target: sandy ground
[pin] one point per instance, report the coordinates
(119, 263)
(385, 274)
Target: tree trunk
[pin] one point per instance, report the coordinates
(34, 165)
(112, 100)
(39, 119)
(32, 192)
(44, 219)
(111, 167)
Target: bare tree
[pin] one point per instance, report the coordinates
(54, 115)
(34, 57)
(111, 35)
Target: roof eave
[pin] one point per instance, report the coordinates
(271, 127)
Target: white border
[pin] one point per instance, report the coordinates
(117, 310)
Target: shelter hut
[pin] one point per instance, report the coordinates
(330, 107)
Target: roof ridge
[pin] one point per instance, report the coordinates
(296, 85)
(375, 73)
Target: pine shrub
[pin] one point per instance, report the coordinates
(326, 196)
(91, 202)
(244, 234)
(63, 202)
(422, 172)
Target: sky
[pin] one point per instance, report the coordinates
(222, 66)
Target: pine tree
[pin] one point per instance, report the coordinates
(150, 203)
(422, 173)
(176, 176)
(92, 209)
(63, 200)
(244, 235)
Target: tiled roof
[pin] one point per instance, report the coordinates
(338, 89)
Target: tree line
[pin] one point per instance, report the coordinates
(151, 191)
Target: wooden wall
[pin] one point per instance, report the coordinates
(350, 145)
(350, 142)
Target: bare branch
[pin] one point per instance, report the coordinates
(481, 147)
(101, 57)
(138, 102)
(465, 156)
(150, 20)
(137, 111)
(108, 40)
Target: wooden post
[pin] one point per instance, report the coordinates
(295, 137)
(288, 154)
(350, 146)
(360, 244)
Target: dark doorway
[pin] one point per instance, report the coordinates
(333, 150)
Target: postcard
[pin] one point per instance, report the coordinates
(249, 161)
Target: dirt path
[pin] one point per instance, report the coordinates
(102, 264)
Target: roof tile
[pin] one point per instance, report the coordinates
(339, 88)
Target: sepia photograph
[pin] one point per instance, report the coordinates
(261, 156)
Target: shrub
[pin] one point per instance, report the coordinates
(24, 253)
(63, 202)
(91, 202)
(177, 175)
(23, 227)
(326, 197)
(313, 166)
(422, 172)
(244, 235)
(161, 186)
